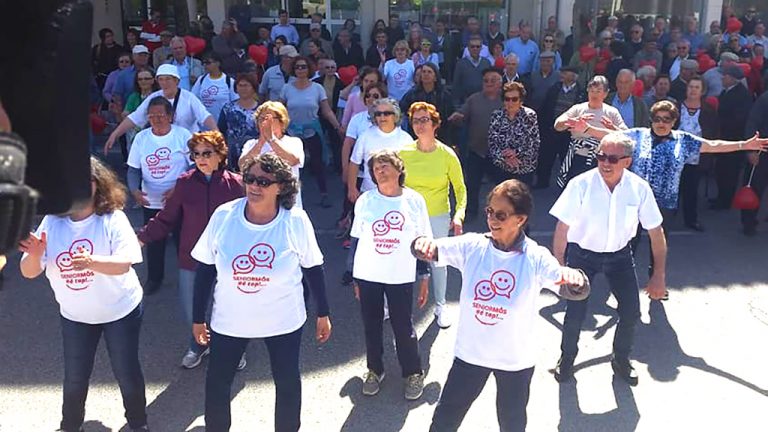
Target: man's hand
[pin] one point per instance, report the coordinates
(423, 292)
(201, 333)
(456, 117)
(323, 331)
(656, 287)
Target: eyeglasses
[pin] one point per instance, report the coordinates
(612, 159)
(260, 181)
(548, 40)
(204, 154)
(383, 113)
(499, 215)
(422, 120)
(373, 96)
(300, 66)
(512, 98)
(315, 30)
(662, 119)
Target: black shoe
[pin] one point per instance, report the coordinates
(696, 226)
(750, 230)
(151, 287)
(624, 370)
(564, 370)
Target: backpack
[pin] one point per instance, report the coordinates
(228, 80)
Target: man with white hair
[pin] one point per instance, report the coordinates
(598, 214)
(511, 74)
(647, 74)
(679, 88)
(713, 78)
(632, 109)
(189, 67)
(683, 53)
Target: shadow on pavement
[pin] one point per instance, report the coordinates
(624, 417)
(95, 426)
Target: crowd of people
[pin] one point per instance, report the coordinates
(628, 121)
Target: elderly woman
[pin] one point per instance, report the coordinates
(503, 272)
(386, 115)
(398, 72)
(187, 110)
(387, 219)
(256, 249)
(430, 90)
(272, 120)
(305, 100)
(581, 152)
(198, 192)
(433, 169)
(87, 257)
(353, 93)
(236, 121)
(513, 137)
(158, 157)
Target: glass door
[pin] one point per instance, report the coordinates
(334, 12)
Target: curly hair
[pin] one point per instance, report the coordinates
(665, 105)
(274, 164)
(423, 106)
(387, 156)
(110, 194)
(212, 138)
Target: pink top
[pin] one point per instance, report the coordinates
(355, 104)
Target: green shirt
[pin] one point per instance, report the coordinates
(431, 174)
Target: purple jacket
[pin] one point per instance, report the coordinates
(191, 205)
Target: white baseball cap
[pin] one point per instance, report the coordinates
(169, 70)
(140, 49)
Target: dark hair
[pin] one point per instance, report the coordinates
(514, 86)
(367, 70)
(309, 62)
(492, 70)
(249, 78)
(163, 102)
(660, 77)
(380, 31)
(135, 33)
(494, 44)
(282, 11)
(214, 139)
(103, 33)
(616, 47)
(391, 157)
(110, 193)
(282, 38)
(435, 69)
(665, 105)
(517, 194)
(700, 79)
(380, 86)
(274, 164)
(136, 87)
(212, 56)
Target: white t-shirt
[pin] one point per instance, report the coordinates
(372, 140)
(399, 77)
(498, 302)
(161, 159)
(293, 145)
(258, 289)
(385, 227)
(358, 124)
(84, 295)
(603, 221)
(214, 93)
(190, 112)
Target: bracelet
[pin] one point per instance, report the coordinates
(741, 145)
(587, 129)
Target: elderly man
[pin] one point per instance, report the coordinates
(759, 38)
(598, 214)
(648, 56)
(683, 53)
(468, 73)
(692, 34)
(635, 42)
(282, 28)
(511, 74)
(278, 75)
(541, 81)
(525, 48)
(713, 78)
(230, 46)
(647, 74)
(190, 68)
(679, 87)
(552, 30)
(163, 53)
(476, 114)
(124, 84)
(632, 109)
(347, 52)
(581, 151)
(189, 112)
(317, 18)
(315, 35)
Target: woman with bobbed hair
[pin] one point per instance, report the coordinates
(433, 169)
(237, 121)
(197, 194)
(255, 249)
(398, 72)
(88, 258)
(503, 272)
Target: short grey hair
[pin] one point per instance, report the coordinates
(629, 72)
(619, 139)
(646, 71)
(512, 56)
(385, 101)
(599, 80)
(606, 34)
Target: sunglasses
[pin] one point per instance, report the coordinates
(422, 120)
(660, 119)
(499, 215)
(383, 113)
(260, 181)
(611, 159)
(300, 66)
(204, 154)
(512, 99)
(549, 40)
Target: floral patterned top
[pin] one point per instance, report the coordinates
(520, 134)
(660, 161)
(238, 126)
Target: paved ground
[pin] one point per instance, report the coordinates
(700, 356)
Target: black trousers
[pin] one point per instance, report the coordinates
(475, 168)
(759, 183)
(727, 167)
(553, 147)
(156, 251)
(313, 147)
(689, 193)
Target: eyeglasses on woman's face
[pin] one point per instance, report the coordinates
(499, 215)
(203, 154)
(259, 181)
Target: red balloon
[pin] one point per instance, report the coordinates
(587, 53)
(97, 124)
(499, 63)
(745, 67)
(195, 45)
(713, 101)
(746, 199)
(637, 90)
(347, 74)
(258, 53)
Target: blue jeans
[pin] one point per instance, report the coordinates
(440, 226)
(186, 297)
(464, 384)
(80, 343)
(222, 364)
(619, 269)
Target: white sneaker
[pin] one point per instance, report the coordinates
(443, 317)
(192, 359)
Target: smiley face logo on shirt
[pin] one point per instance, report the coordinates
(503, 283)
(380, 228)
(152, 160)
(163, 153)
(394, 220)
(81, 246)
(484, 290)
(263, 255)
(64, 261)
(243, 264)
